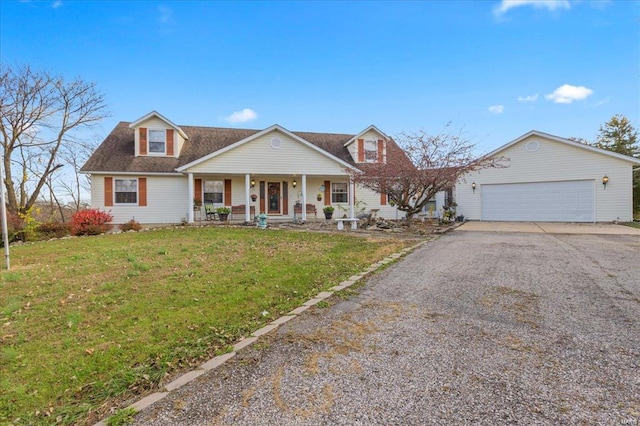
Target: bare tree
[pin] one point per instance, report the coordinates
(420, 166)
(41, 117)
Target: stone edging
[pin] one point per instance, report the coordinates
(219, 360)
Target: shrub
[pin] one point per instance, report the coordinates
(53, 230)
(132, 225)
(90, 222)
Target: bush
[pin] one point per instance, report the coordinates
(53, 230)
(90, 222)
(132, 225)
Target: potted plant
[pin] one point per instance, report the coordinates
(223, 213)
(328, 212)
(254, 197)
(197, 204)
(319, 197)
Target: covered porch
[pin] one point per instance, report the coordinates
(286, 197)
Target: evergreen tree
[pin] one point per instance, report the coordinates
(619, 135)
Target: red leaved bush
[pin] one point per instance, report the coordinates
(90, 222)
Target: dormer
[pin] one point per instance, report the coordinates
(157, 136)
(368, 146)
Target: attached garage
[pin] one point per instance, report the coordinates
(570, 201)
(546, 178)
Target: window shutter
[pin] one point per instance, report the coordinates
(170, 142)
(327, 192)
(142, 192)
(380, 151)
(360, 150)
(227, 192)
(383, 199)
(108, 191)
(143, 140)
(285, 198)
(197, 190)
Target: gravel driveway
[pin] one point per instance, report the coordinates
(486, 328)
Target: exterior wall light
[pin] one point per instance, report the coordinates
(294, 183)
(473, 186)
(605, 181)
(253, 182)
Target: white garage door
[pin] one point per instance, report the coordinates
(569, 201)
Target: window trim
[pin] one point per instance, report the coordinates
(334, 193)
(149, 142)
(115, 192)
(204, 181)
(367, 151)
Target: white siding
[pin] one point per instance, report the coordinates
(166, 200)
(371, 200)
(259, 157)
(555, 162)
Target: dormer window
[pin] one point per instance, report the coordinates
(157, 141)
(371, 151)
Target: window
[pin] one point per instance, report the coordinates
(371, 151)
(213, 191)
(339, 193)
(157, 139)
(126, 191)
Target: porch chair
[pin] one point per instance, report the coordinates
(209, 211)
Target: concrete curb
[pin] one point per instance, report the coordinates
(219, 360)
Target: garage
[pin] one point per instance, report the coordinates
(539, 177)
(571, 201)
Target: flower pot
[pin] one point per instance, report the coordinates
(223, 216)
(254, 197)
(328, 215)
(319, 198)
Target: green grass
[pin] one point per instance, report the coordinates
(633, 224)
(86, 323)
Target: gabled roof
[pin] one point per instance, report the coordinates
(116, 153)
(372, 127)
(259, 134)
(567, 142)
(161, 117)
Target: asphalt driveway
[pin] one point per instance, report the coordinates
(475, 327)
(551, 228)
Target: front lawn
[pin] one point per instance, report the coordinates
(87, 322)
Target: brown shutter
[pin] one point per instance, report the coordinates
(327, 192)
(380, 151)
(170, 142)
(262, 204)
(285, 198)
(197, 196)
(142, 192)
(227, 192)
(383, 199)
(143, 140)
(360, 150)
(108, 191)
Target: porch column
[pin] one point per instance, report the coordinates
(247, 198)
(352, 191)
(190, 192)
(304, 198)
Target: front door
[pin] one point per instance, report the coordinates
(273, 191)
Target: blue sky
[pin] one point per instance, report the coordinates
(496, 68)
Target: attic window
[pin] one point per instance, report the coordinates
(157, 141)
(371, 151)
(276, 143)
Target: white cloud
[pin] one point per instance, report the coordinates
(56, 4)
(506, 5)
(496, 109)
(567, 93)
(243, 116)
(530, 98)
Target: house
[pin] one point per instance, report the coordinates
(157, 172)
(550, 179)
